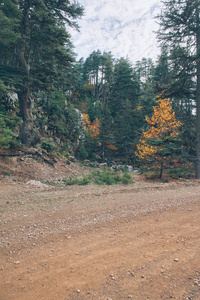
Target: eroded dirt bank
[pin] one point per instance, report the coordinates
(139, 241)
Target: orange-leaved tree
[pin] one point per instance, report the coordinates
(160, 145)
(93, 128)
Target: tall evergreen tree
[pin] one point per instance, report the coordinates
(9, 36)
(42, 53)
(98, 72)
(107, 77)
(180, 29)
(162, 72)
(122, 104)
(125, 86)
(144, 69)
(92, 71)
(174, 78)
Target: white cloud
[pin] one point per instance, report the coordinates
(124, 27)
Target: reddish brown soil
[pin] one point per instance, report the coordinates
(139, 241)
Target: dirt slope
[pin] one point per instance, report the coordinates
(139, 241)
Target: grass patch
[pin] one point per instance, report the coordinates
(80, 181)
(100, 178)
(110, 178)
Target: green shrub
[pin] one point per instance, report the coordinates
(9, 125)
(71, 181)
(48, 146)
(104, 177)
(74, 180)
(107, 177)
(100, 178)
(116, 178)
(5, 138)
(84, 181)
(96, 173)
(126, 178)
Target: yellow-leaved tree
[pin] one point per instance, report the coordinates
(93, 128)
(160, 146)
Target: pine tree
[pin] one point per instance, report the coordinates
(161, 141)
(180, 32)
(42, 54)
(162, 72)
(9, 37)
(98, 73)
(125, 86)
(125, 125)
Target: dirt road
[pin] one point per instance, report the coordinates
(140, 241)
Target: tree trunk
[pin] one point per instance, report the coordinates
(161, 169)
(27, 135)
(198, 101)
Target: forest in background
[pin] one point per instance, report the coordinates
(98, 108)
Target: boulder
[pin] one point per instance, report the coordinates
(103, 165)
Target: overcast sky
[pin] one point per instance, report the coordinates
(124, 27)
